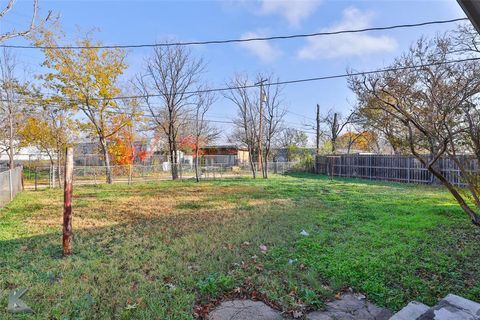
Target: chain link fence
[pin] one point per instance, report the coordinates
(10, 184)
(48, 176)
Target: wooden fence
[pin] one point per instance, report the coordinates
(398, 168)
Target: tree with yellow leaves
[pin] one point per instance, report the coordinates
(86, 80)
(51, 130)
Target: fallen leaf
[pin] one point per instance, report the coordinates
(263, 248)
(131, 306)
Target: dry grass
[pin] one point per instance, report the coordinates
(151, 251)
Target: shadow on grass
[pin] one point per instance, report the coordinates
(393, 246)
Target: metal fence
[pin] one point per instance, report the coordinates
(398, 168)
(10, 184)
(41, 177)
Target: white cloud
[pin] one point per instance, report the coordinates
(345, 45)
(293, 10)
(261, 49)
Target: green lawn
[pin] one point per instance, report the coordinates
(155, 250)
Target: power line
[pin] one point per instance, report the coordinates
(226, 41)
(144, 113)
(287, 82)
(300, 115)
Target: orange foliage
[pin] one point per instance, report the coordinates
(121, 151)
(357, 141)
(187, 145)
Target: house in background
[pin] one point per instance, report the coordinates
(225, 155)
(25, 156)
(88, 153)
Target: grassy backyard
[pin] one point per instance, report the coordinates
(156, 250)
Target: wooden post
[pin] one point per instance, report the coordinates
(260, 152)
(36, 178)
(67, 203)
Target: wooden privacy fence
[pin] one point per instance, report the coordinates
(398, 168)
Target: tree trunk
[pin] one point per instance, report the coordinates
(52, 171)
(252, 163)
(318, 129)
(197, 175)
(265, 161)
(59, 168)
(10, 143)
(173, 163)
(471, 213)
(108, 169)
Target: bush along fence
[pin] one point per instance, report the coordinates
(11, 183)
(47, 177)
(397, 168)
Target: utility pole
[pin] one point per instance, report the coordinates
(334, 132)
(318, 129)
(262, 97)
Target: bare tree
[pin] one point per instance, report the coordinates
(435, 104)
(465, 40)
(12, 108)
(247, 119)
(203, 131)
(171, 75)
(273, 115)
(14, 33)
(292, 141)
(335, 125)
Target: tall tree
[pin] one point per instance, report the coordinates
(247, 119)
(12, 106)
(273, 115)
(51, 130)
(370, 117)
(335, 125)
(364, 141)
(170, 76)
(203, 131)
(437, 105)
(292, 141)
(87, 80)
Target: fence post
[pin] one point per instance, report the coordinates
(36, 178)
(67, 203)
(409, 160)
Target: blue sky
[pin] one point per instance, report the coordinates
(132, 22)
